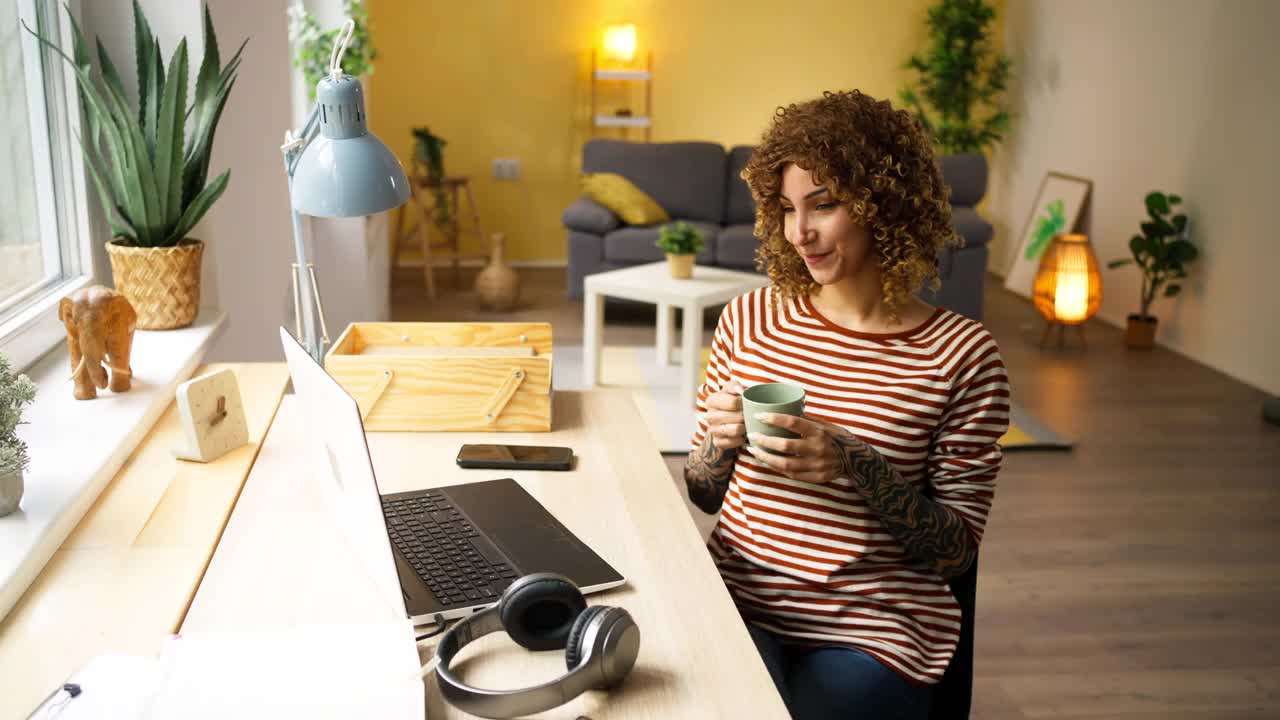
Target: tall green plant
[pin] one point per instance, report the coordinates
(1162, 251)
(313, 47)
(957, 93)
(149, 171)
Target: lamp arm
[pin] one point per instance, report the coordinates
(305, 292)
(295, 144)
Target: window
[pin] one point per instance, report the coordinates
(43, 220)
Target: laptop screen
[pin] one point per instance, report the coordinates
(344, 469)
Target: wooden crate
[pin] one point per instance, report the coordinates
(487, 377)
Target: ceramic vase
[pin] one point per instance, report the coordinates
(498, 285)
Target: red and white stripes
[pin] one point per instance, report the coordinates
(812, 561)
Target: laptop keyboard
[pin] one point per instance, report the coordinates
(459, 566)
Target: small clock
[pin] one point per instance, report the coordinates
(212, 416)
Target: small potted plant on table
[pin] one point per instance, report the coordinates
(682, 243)
(1162, 253)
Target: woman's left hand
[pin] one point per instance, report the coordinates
(813, 457)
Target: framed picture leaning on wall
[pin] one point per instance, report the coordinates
(1057, 209)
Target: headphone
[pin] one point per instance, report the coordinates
(543, 611)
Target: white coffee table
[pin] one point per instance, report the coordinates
(653, 283)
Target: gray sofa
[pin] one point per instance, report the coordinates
(700, 183)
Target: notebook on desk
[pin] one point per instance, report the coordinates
(435, 554)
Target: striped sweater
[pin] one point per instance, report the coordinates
(812, 562)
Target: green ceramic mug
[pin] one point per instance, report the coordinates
(782, 398)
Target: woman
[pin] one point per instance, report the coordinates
(837, 550)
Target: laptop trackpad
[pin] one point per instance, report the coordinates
(528, 534)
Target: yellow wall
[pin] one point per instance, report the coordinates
(510, 78)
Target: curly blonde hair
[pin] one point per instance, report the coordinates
(878, 162)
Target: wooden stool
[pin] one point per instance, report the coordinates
(426, 199)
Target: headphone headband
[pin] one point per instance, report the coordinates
(500, 703)
(604, 643)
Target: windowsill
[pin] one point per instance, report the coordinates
(77, 446)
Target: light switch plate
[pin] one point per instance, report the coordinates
(212, 416)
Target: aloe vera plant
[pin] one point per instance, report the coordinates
(150, 166)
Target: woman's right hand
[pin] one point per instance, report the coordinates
(725, 426)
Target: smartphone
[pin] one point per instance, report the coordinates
(515, 457)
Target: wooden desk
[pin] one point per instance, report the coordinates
(281, 563)
(124, 577)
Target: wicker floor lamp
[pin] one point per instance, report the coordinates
(1068, 287)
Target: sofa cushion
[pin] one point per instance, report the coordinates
(966, 173)
(975, 231)
(739, 207)
(630, 245)
(736, 247)
(686, 178)
(587, 215)
(623, 199)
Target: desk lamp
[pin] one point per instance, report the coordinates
(336, 168)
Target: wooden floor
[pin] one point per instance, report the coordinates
(1136, 576)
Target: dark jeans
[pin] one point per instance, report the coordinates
(832, 682)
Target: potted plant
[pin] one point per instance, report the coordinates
(682, 242)
(15, 392)
(1162, 252)
(149, 165)
(429, 156)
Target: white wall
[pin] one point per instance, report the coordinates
(249, 229)
(1171, 95)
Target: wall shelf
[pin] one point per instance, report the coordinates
(622, 121)
(643, 119)
(603, 74)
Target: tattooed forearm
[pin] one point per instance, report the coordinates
(931, 533)
(707, 473)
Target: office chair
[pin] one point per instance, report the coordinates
(953, 695)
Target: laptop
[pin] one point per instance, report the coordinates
(435, 554)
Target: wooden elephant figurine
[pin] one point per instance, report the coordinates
(100, 324)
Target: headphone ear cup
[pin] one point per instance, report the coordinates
(538, 610)
(573, 650)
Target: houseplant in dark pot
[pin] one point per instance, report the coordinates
(1162, 252)
(15, 392)
(149, 165)
(682, 242)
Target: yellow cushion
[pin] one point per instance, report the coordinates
(624, 199)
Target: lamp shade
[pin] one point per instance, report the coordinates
(346, 171)
(1068, 286)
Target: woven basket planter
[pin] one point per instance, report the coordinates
(162, 284)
